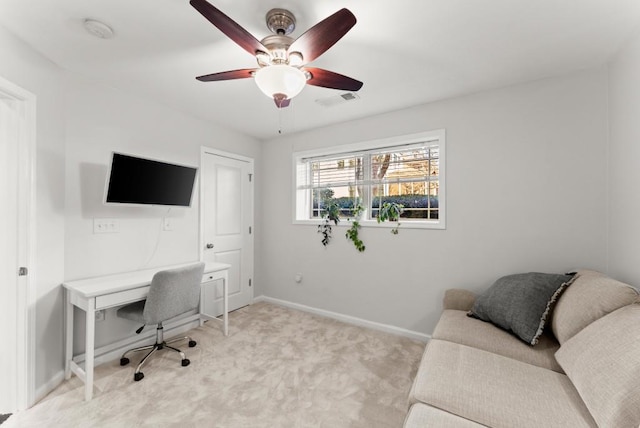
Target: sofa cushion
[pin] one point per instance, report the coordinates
(603, 362)
(521, 303)
(456, 326)
(420, 415)
(496, 391)
(591, 296)
(457, 298)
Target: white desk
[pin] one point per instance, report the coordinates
(94, 294)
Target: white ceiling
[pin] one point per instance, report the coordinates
(407, 52)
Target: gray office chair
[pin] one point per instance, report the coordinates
(173, 292)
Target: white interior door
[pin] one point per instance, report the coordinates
(17, 109)
(8, 255)
(227, 222)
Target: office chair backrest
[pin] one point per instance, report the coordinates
(173, 292)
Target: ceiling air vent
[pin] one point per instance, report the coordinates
(338, 99)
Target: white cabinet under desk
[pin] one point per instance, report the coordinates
(102, 292)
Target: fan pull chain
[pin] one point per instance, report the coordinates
(280, 121)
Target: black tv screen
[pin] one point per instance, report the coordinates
(134, 180)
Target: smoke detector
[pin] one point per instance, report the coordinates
(98, 29)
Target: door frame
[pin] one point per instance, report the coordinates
(25, 345)
(211, 151)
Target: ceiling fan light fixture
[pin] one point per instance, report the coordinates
(281, 58)
(295, 59)
(280, 79)
(263, 59)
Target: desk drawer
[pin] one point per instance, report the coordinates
(213, 276)
(121, 297)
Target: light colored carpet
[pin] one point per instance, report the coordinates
(278, 368)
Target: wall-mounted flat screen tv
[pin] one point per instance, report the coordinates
(134, 180)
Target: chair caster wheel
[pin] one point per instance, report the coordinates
(124, 361)
(185, 362)
(192, 343)
(138, 376)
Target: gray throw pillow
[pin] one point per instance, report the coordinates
(521, 303)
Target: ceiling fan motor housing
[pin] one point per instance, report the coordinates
(281, 21)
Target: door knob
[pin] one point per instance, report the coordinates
(209, 246)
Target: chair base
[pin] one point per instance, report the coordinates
(159, 345)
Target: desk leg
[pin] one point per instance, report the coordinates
(89, 348)
(68, 319)
(201, 306)
(225, 308)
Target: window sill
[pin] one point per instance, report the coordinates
(406, 224)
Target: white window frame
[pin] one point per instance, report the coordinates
(301, 198)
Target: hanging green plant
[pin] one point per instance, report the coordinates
(390, 211)
(352, 232)
(330, 214)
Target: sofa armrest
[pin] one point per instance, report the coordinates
(459, 299)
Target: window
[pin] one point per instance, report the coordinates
(407, 170)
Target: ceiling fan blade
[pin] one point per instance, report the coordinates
(227, 75)
(319, 38)
(229, 27)
(329, 79)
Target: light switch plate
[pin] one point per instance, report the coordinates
(105, 225)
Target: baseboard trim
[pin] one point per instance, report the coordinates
(347, 318)
(45, 389)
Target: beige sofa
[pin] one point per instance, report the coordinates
(584, 372)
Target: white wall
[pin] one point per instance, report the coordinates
(99, 120)
(26, 68)
(526, 185)
(624, 164)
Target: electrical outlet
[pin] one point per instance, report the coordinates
(105, 225)
(101, 315)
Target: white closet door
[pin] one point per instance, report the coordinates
(227, 191)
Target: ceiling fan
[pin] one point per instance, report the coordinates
(282, 60)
